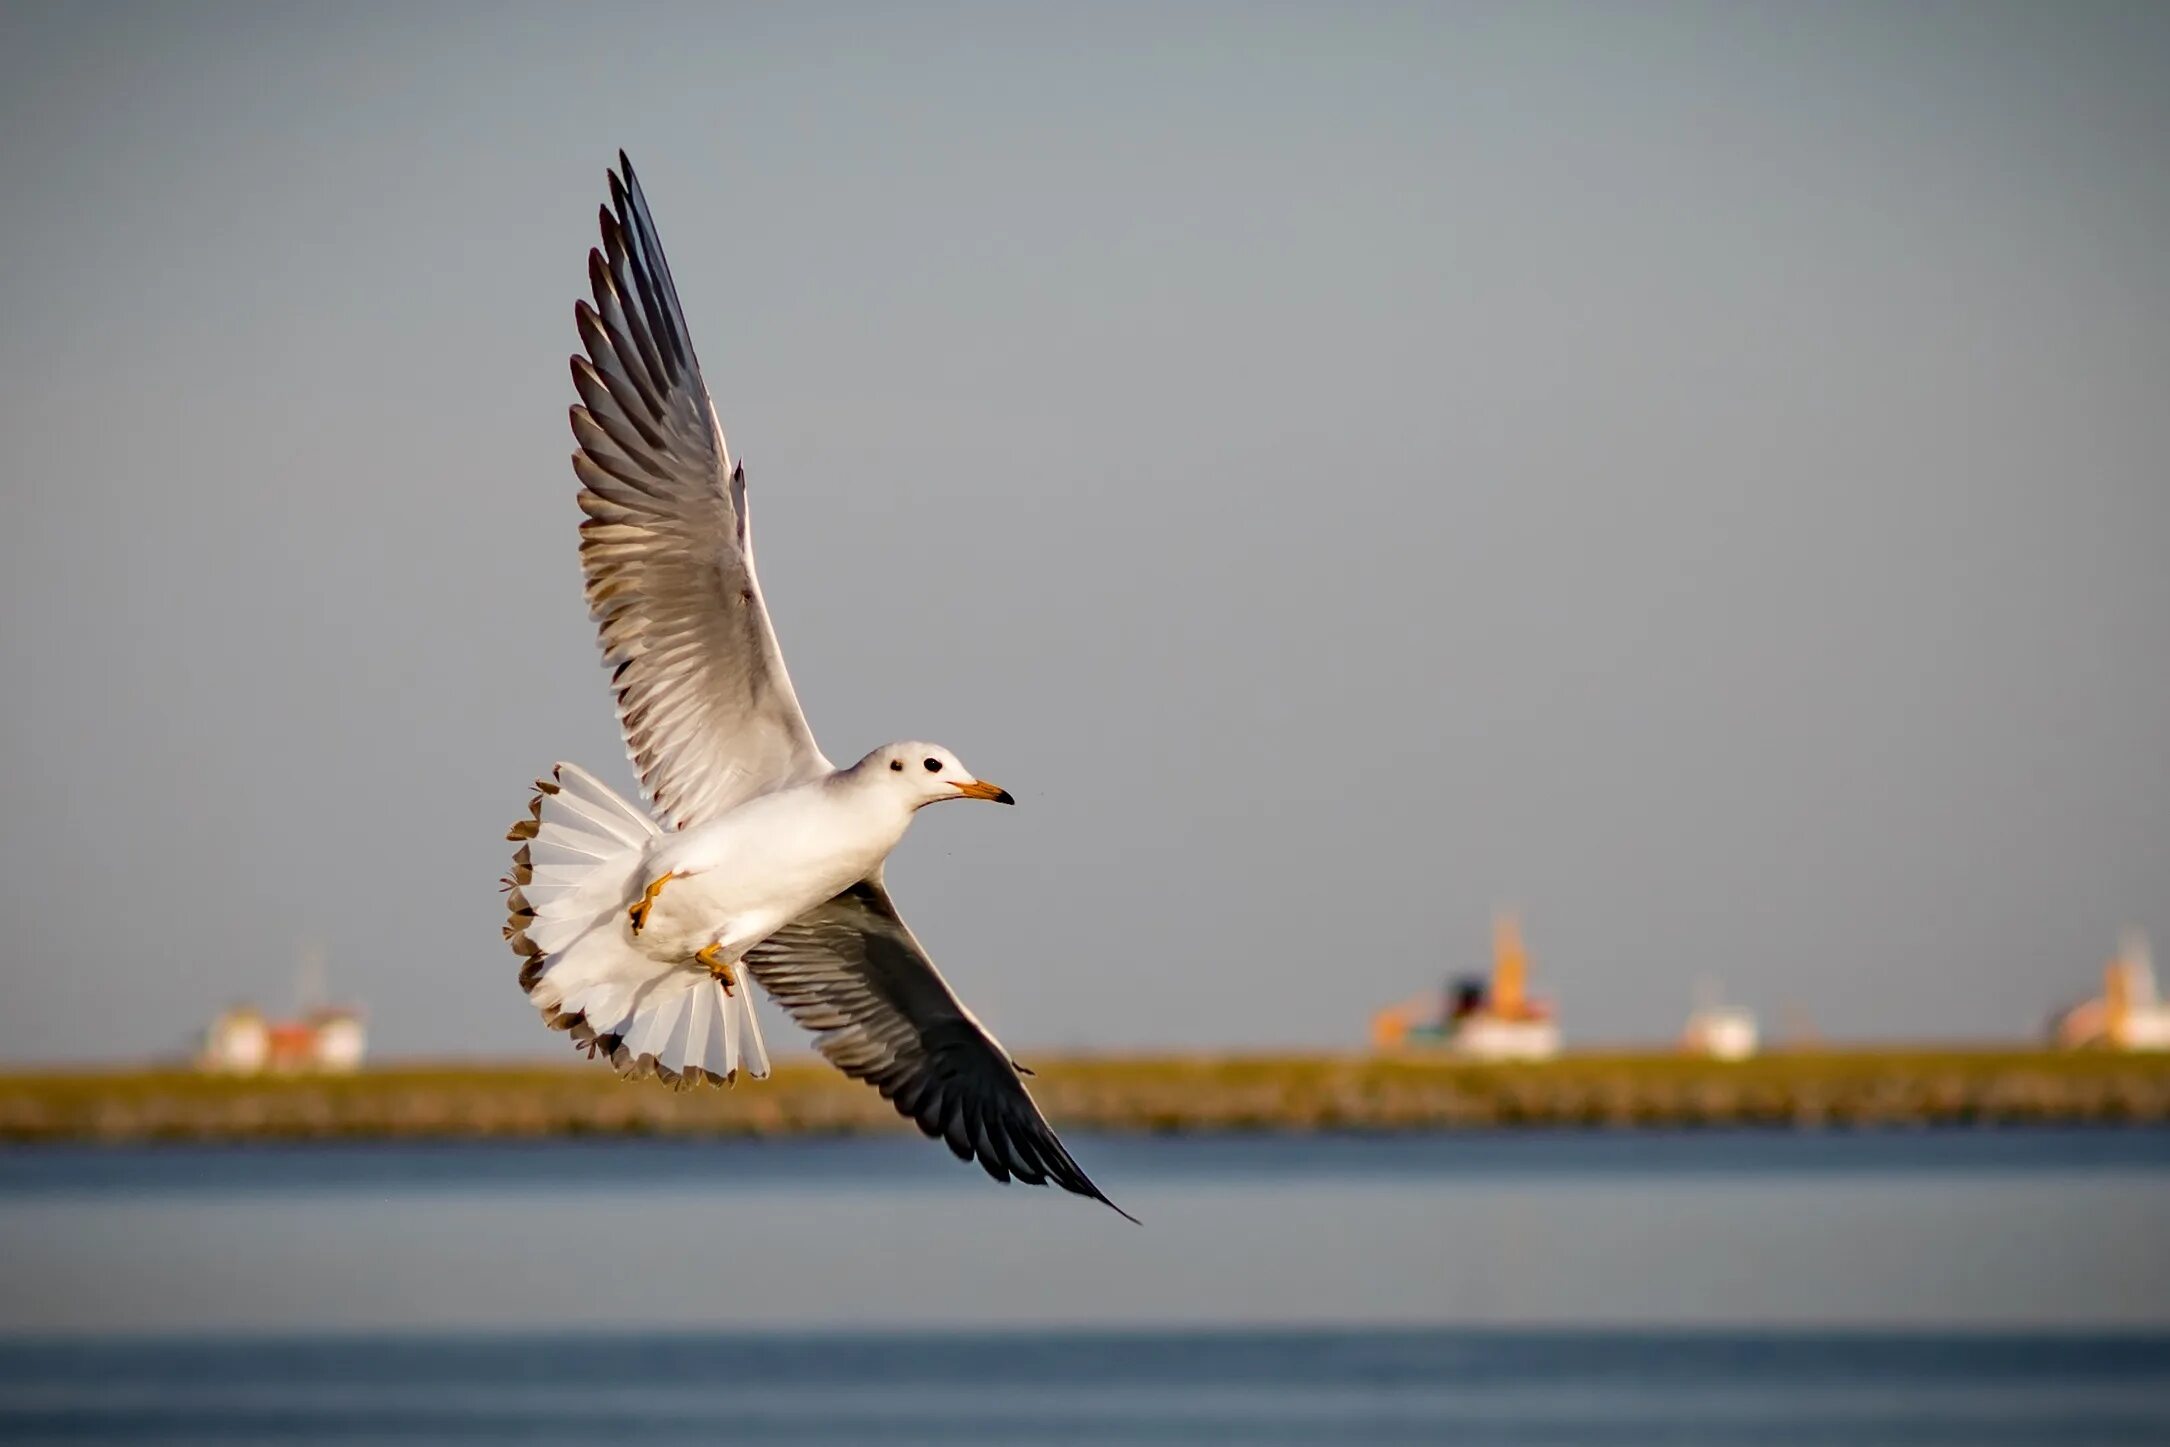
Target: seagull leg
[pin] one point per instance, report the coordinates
(639, 912)
(712, 956)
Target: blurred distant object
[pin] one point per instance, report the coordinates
(2129, 1015)
(1718, 1031)
(1724, 1032)
(242, 1041)
(322, 1039)
(1499, 1022)
(238, 1042)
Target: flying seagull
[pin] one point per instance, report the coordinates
(755, 855)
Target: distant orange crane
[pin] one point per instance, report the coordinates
(1503, 1001)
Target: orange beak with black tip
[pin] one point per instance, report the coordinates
(981, 789)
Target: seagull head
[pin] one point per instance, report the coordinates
(929, 773)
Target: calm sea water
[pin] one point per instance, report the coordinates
(1975, 1287)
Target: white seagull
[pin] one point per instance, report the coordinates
(760, 856)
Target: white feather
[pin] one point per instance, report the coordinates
(757, 1052)
(587, 862)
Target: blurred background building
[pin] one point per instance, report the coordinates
(2129, 1014)
(1716, 1030)
(1483, 1019)
(321, 1038)
(244, 1041)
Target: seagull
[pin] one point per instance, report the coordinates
(754, 856)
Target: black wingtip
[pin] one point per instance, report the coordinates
(1083, 1185)
(1103, 1200)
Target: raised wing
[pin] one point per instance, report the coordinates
(850, 971)
(708, 711)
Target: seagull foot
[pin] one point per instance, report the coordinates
(712, 956)
(639, 912)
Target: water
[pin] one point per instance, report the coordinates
(1288, 1386)
(1962, 1287)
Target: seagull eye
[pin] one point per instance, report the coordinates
(896, 766)
(934, 766)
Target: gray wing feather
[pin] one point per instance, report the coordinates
(709, 714)
(851, 972)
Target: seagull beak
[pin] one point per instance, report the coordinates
(981, 789)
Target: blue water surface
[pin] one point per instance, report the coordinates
(1963, 1287)
(1262, 1386)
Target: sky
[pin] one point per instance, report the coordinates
(1696, 474)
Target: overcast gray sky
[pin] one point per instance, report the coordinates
(1700, 473)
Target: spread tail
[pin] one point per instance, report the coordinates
(577, 869)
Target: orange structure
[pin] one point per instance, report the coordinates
(1390, 1027)
(1510, 969)
(1489, 1019)
(2127, 1015)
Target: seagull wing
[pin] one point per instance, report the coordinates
(851, 972)
(708, 711)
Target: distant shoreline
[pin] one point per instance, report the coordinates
(1147, 1093)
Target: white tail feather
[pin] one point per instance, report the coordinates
(579, 867)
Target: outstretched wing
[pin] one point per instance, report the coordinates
(850, 971)
(708, 711)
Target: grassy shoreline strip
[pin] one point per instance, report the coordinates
(1165, 1093)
